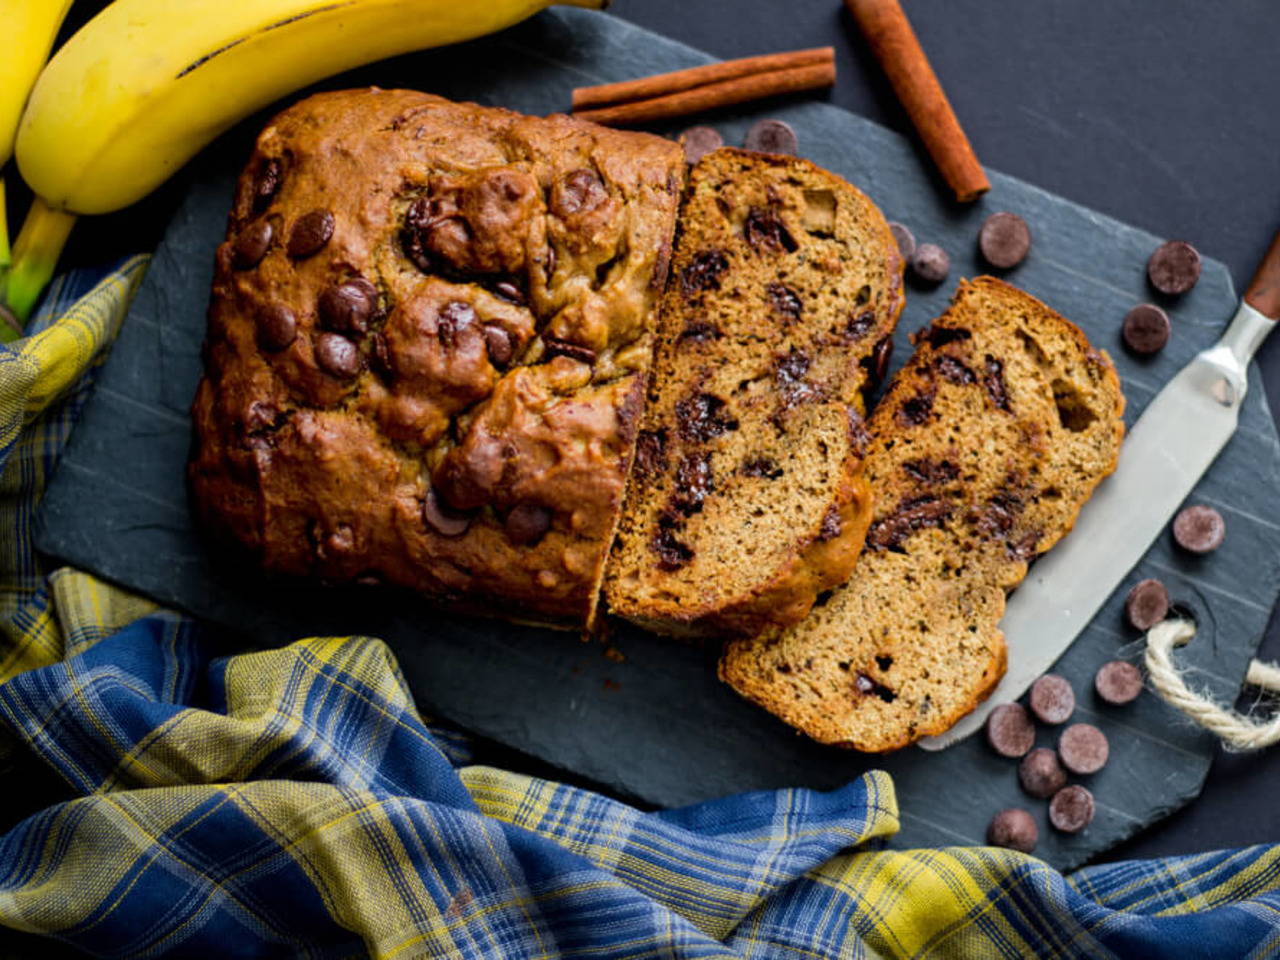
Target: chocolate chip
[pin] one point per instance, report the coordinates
(651, 453)
(785, 301)
(931, 471)
(337, 356)
(1083, 748)
(993, 380)
(1071, 809)
(277, 326)
(1010, 730)
(349, 306)
(1014, 829)
(252, 244)
(1004, 240)
(857, 326)
(1199, 529)
(955, 370)
(703, 417)
(1041, 774)
(771, 136)
(859, 436)
(1145, 329)
(441, 519)
(672, 553)
(761, 467)
(693, 483)
(417, 222)
(936, 335)
(703, 273)
(526, 523)
(906, 240)
(580, 192)
(699, 141)
(498, 342)
(700, 331)
(1147, 604)
(549, 266)
(1118, 682)
(510, 292)
(310, 233)
(766, 233)
(916, 513)
(880, 354)
(266, 183)
(1052, 700)
(930, 263)
(1174, 268)
(454, 317)
(555, 347)
(831, 525)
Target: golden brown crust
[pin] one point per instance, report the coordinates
(983, 450)
(428, 340)
(748, 498)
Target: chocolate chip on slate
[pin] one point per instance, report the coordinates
(1005, 240)
(1083, 748)
(1010, 730)
(441, 519)
(906, 240)
(1041, 774)
(1052, 699)
(1174, 267)
(1118, 682)
(1071, 809)
(930, 263)
(771, 136)
(1147, 604)
(337, 356)
(252, 244)
(526, 523)
(699, 141)
(1015, 829)
(277, 326)
(1145, 329)
(498, 342)
(310, 233)
(349, 306)
(1199, 529)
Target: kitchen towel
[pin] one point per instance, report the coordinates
(292, 802)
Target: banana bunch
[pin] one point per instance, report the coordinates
(146, 84)
(31, 26)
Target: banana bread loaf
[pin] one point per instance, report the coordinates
(747, 499)
(984, 449)
(428, 340)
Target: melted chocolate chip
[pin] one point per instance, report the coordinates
(580, 192)
(831, 525)
(413, 237)
(252, 244)
(277, 326)
(999, 514)
(555, 347)
(858, 326)
(700, 331)
(349, 306)
(266, 183)
(651, 453)
(993, 379)
(766, 233)
(910, 515)
(954, 370)
(931, 471)
(761, 467)
(1026, 548)
(859, 436)
(337, 356)
(310, 233)
(785, 301)
(441, 519)
(498, 342)
(916, 410)
(672, 554)
(702, 417)
(703, 273)
(527, 523)
(693, 483)
(877, 364)
(510, 292)
(454, 317)
(938, 336)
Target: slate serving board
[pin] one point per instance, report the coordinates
(658, 726)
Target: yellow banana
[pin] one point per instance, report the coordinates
(147, 83)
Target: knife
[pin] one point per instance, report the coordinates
(1173, 443)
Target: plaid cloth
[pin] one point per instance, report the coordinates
(293, 803)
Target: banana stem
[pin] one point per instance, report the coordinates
(35, 253)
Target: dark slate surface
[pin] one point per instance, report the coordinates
(658, 726)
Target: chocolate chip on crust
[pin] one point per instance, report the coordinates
(310, 233)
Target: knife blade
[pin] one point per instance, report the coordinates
(1178, 436)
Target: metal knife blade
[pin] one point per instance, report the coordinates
(1178, 436)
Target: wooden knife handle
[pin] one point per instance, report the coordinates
(1263, 293)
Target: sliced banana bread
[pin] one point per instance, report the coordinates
(747, 497)
(982, 452)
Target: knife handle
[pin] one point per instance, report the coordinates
(1263, 293)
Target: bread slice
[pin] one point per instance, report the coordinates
(747, 497)
(984, 449)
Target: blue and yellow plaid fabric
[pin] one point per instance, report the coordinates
(293, 803)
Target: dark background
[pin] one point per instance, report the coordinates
(1162, 113)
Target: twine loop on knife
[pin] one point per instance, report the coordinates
(1237, 732)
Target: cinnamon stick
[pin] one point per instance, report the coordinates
(664, 84)
(711, 96)
(895, 45)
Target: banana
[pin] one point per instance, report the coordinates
(144, 85)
